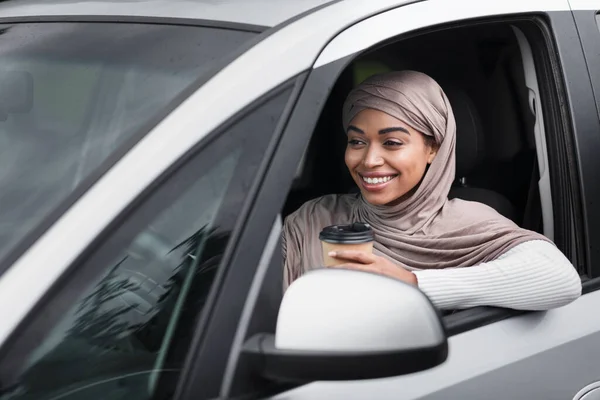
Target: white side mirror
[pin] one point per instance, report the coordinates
(346, 310)
(337, 324)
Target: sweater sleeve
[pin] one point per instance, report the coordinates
(291, 245)
(534, 275)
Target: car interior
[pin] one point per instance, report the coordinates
(481, 70)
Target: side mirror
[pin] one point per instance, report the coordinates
(336, 324)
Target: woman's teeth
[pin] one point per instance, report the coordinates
(378, 180)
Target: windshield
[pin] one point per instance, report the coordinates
(72, 93)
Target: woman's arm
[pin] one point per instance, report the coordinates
(291, 245)
(534, 275)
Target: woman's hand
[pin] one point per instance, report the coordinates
(361, 261)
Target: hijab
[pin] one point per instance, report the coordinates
(425, 230)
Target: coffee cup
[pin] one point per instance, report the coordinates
(357, 236)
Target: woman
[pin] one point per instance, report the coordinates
(401, 154)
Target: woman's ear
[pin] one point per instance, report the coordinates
(433, 149)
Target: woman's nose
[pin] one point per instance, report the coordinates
(372, 158)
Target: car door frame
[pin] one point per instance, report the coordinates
(585, 13)
(327, 67)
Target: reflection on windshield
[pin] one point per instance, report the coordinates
(72, 93)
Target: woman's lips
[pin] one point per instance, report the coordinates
(376, 183)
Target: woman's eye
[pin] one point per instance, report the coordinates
(355, 142)
(392, 143)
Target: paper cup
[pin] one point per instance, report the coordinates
(357, 236)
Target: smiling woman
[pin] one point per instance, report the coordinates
(401, 154)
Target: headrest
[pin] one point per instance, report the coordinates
(469, 133)
(16, 92)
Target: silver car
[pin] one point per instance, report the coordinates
(149, 150)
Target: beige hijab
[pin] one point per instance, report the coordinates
(426, 230)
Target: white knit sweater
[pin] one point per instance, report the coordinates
(534, 275)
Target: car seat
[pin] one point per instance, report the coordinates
(470, 153)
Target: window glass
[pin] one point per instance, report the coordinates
(70, 95)
(134, 321)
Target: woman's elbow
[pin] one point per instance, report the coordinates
(571, 285)
(566, 287)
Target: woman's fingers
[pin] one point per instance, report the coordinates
(354, 266)
(353, 255)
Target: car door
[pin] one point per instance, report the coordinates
(548, 355)
(586, 15)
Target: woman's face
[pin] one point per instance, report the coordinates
(386, 158)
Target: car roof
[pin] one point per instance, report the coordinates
(265, 13)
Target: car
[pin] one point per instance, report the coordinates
(151, 150)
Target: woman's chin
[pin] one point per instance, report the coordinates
(379, 199)
(385, 197)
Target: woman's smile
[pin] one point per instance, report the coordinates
(376, 182)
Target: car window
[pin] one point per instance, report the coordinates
(71, 95)
(131, 324)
